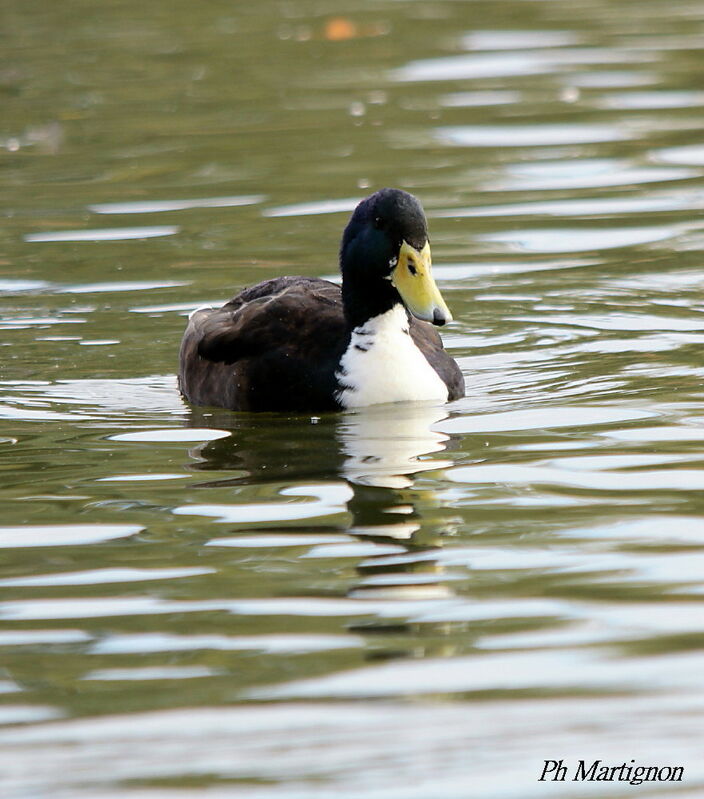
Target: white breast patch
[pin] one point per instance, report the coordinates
(382, 364)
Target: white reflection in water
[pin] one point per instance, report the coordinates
(154, 673)
(511, 474)
(383, 444)
(330, 499)
(183, 308)
(158, 206)
(53, 535)
(135, 285)
(579, 173)
(93, 398)
(28, 714)
(381, 750)
(560, 669)
(31, 415)
(542, 419)
(653, 434)
(529, 135)
(177, 434)
(43, 321)
(140, 478)
(283, 644)
(11, 286)
(103, 607)
(518, 40)
(598, 206)
(629, 461)
(668, 282)
(601, 564)
(407, 606)
(505, 64)
(661, 343)
(315, 208)
(399, 531)
(611, 79)
(628, 621)
(481, 65)
(643, 101)
(580, 239)
(356, 550)
(620, 321)
(686, 154)
(45, 637)
(104, 234)
(99, 576)
(478, 98)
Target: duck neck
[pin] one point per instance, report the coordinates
(364, 302)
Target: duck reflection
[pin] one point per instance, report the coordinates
(379, 452)
(384, 444)
(267, 448)
(380, 446)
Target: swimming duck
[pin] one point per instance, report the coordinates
(305, 344)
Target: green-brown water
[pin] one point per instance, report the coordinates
(402, 603)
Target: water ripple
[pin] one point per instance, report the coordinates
(47, 535)
(104, 234)
(330, 499)
(528, 135)
(159, 206)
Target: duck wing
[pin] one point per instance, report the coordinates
(274, 346)
(427, 339)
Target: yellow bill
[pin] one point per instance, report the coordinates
(413, 278)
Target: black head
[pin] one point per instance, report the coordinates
(385, 260)
(381, 223)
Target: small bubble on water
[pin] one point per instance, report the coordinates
(570, 94)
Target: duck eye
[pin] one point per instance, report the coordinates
(378, 223)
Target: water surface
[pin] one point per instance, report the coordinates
(412, 602)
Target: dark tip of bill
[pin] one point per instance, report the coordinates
(438, 318)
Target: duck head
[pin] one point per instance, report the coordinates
(385, 260)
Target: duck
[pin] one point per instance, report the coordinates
(303, 344)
